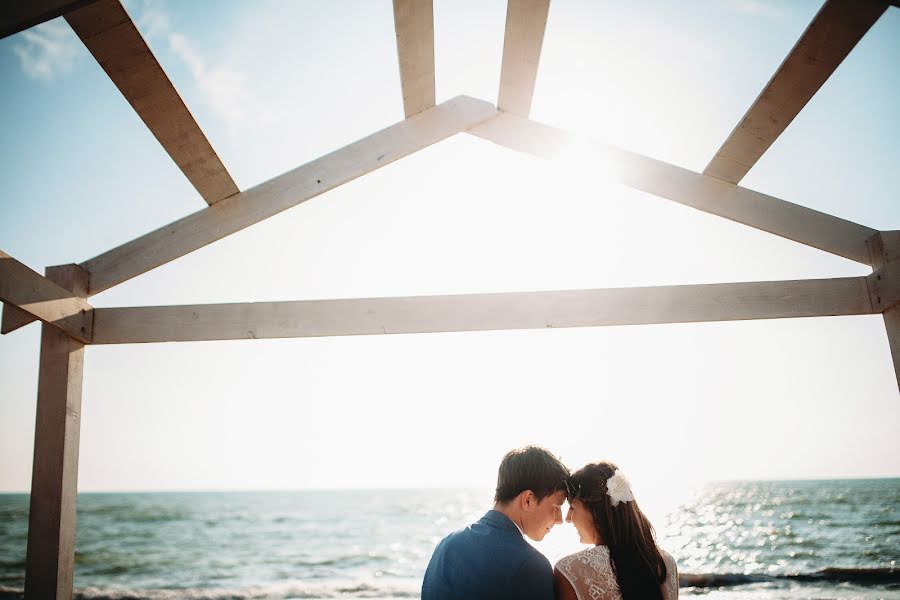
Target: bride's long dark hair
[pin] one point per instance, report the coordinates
(636, 559)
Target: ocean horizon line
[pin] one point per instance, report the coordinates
(426, 487)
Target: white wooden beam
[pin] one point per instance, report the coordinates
(50, 557)
(19, 15)
(110, 35)
(526, 21)
(290, 189)
(483, 312)
(830, 37)
(44, 300)
(702, 192)
(414, 26)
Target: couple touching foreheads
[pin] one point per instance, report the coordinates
(490, 559)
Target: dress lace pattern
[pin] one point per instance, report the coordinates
(591, 575)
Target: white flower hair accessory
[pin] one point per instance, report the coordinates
(618, 489)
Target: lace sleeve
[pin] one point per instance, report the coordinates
(564, 567)
(591, 574)
(670, 586)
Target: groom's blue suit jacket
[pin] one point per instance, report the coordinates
(488, 560)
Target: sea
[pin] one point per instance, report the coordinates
(736, 540)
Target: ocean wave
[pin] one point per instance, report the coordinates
(874, 576)
(355, 560)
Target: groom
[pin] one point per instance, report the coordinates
(490, 559)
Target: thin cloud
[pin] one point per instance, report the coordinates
(223, 89)
(47, 50)
(152, 21)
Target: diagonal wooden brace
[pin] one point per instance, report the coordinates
(34, 296)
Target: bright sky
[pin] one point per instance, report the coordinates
(276, 84)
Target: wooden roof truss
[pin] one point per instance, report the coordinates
(59, 297)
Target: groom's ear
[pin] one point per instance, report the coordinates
(527, 500)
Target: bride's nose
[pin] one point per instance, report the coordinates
(569, 516)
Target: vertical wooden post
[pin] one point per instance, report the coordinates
(50, 557)
(884, 287)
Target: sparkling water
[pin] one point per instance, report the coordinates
(772, 540)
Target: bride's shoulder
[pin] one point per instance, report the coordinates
(670, 586)
(588, 555)
(668, 559)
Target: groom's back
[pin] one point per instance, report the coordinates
(488, 560)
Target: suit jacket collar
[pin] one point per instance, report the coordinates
(495, 518)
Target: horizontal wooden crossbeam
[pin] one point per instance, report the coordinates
(833, 33)
(44, 299)
(711, 195)
(110, 35)
(414, 26)
(484, 312)
(526, 21)
(19, 15)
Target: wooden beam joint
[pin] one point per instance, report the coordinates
(884, 282)
(29, 296)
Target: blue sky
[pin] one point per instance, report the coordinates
(276, 84)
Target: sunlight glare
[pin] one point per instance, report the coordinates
(579, 160)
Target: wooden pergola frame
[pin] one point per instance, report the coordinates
(59, 298)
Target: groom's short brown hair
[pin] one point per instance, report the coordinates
(530, 468)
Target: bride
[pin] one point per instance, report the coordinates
(623, 562)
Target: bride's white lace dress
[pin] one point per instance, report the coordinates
(591, 575)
